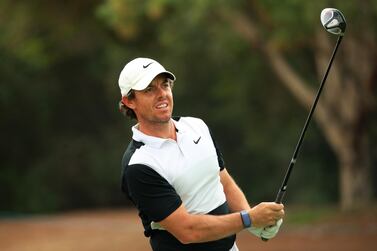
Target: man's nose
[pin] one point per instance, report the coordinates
(160, 90)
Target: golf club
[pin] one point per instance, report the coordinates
(334, 22)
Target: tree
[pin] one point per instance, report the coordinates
(278, 30)
(58, 141)
(343, 111)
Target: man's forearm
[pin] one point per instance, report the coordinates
(189, 228)
(203, 228)
(234, 195)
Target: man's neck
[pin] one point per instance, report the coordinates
(161, 130)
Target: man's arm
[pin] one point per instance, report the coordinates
(189, 228)
(238, 202)
(234, 196)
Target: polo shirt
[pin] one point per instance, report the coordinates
(161, 174)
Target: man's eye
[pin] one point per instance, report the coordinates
(148, 89)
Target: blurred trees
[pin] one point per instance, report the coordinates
(343, 113)
(238, 64)
(277, 31)
(57, 125)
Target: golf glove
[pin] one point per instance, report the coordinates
(267, 232)
(255, 231)
(270, 232)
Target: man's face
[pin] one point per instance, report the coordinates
(154, 104)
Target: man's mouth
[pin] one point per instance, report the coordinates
(162, 106)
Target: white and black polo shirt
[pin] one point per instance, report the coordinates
(161, 174)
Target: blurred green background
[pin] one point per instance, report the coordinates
(250, 69)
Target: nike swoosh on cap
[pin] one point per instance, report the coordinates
(145, 66)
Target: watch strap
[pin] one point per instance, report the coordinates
(246, 220)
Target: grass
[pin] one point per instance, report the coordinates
(302, 215)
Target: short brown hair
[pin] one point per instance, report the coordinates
(125, 110)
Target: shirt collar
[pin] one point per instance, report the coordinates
(153, 141)
(178, 126)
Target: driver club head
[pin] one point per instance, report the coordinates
(333, 21)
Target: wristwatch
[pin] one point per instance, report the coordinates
(246, 220)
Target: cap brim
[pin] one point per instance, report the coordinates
(145, 82)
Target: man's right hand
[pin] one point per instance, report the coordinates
(266, 214)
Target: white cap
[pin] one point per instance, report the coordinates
(139, 73)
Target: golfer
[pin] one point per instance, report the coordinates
(174, 173)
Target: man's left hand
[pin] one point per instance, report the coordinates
(270, 232)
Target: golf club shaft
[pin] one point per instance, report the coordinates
(283, 188)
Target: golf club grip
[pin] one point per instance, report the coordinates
(280, 196)
(279, 199)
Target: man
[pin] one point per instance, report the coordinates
(175, 175)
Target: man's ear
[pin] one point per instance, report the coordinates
(127, 102)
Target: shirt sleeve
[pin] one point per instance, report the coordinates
(150, 192)
(220, 157)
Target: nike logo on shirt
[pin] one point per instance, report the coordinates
(197, 141)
